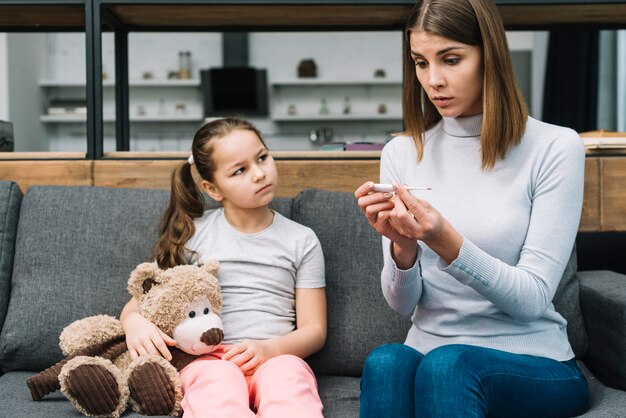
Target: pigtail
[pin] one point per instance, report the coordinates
(177, 225)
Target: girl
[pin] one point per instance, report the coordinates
(477, 260)
(271, 274)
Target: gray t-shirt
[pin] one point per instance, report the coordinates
(259, 272)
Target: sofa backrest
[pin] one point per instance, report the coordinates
(76, 246)
(10, 201)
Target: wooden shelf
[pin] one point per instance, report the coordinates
(342, 15)
(38, 16)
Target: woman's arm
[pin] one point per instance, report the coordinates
(308, 337)
(142, 336)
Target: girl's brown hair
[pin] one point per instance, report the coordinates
(472, 22)
(186, 199)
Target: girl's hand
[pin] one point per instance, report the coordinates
(377, 208)
(143, 337)
(249, 355)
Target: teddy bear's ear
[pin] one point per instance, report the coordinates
(143, 278)
(211, 266)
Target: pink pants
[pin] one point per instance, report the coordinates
(282, 387)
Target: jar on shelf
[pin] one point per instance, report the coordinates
(184, 64)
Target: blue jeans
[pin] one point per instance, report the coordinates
(467, 381)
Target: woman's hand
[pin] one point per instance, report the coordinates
(419, 220)
(143, 337)
(249, 355)
(377, 208)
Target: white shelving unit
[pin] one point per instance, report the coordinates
(365, 97)
(154, 117)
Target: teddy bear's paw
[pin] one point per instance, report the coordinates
(154, 386)
(94, 386)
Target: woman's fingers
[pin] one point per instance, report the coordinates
(364, 189)
(411, 203)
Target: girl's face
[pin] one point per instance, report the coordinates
(245, 174)
(450, 73)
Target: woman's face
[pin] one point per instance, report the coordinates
(450, 73)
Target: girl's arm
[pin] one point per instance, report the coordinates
(308, 338)
(142, 336)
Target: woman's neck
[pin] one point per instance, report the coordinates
(248, 221)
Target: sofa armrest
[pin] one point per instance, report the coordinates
(603, 304)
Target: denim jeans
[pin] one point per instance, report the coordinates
(467, 381)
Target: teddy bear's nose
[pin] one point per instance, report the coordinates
(213, 336)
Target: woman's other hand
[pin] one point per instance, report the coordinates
(419, 220)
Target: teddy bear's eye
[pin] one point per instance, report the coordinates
(192, 314)
(206, 311)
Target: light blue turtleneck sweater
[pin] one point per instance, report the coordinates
(518, 221)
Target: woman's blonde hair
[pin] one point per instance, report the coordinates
(186, 199)
(472, 22)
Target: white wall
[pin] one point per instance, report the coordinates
(4, 79)
(26, 65)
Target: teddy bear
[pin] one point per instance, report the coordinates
(98, 376)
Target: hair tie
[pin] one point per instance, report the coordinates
(190, 160)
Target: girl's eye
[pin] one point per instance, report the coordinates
(240, 171)
(263, 157)
(452, 61)
(420, 64)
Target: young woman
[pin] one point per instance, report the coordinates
(271, 274)
(477, 259)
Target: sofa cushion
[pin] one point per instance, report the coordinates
(74, 251)
(359, 318)
(567, 302)
(10, 201)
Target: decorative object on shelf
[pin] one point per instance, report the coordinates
(6, 136)
(105, 75)
(147, 75)
(184, 65)
(333, 146)
(141, 111)
(364, 146)
(380, 73)
(346, 106)
(180, 108)
(307, 68)
(291, 110)
(162, 110)
(173, 75)
(324, 107)
(67, 107)
(382, 108)
(321, 135)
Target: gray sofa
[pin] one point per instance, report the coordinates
(66, 253)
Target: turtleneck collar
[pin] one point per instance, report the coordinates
(463, 127)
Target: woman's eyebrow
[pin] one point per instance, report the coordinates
(441, 52)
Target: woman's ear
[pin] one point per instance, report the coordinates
(212, 191)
